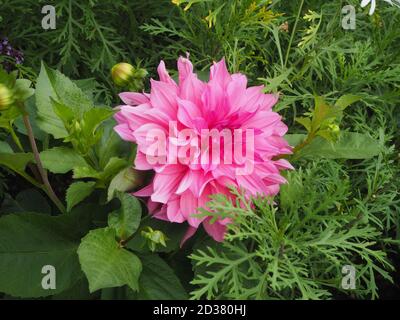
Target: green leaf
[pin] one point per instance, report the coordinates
(28, 200)
(93, 118)
(30, 108)
(32, 200)
(105, 263)
(51, 84)
(125, 221)
(323, 113)
(85, 172)
(110, 144)
(350, 145)
(23, 89)
(344, 101)
(30, 241)
(16, 161)
(305, 122)
(61, 159)
(5, 147)
(295, 139)
(125, 180)
(77, 192)
(158, 281)
(112, 168)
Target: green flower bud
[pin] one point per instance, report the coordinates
(6, 97)
(77, 127)
(154, 238)
(122, 74)
(334, 128)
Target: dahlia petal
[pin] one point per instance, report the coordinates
(133, 98)
(174, 212)
(163, 96)
(236, 92)
(125, 132)
(185, 68)
(185, 183)
(164, 75)
(141, 162)
(213, 99)
(145, 192)
(188, 205)
(187, 112)
(264, 120)
(252, 183)
(189, 233)
(191, 89)
(283, 164)
(216, 230)
(220, 73)
(165, 186)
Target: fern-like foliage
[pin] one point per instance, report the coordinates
(293, 247)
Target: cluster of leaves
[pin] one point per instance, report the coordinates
(89, 244)
(90, 36)
(339, 91)
(297, 247)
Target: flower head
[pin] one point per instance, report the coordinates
(7, 50)
(207, 127)
(364, 3)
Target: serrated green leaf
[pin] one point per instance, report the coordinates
(126, 220)
(51, 84)
(77, 192)
(61, 159)
(85, 172)
(30, 241)
(105, 263)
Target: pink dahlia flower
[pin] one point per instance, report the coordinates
(182, 183)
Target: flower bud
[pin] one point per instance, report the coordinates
(154, 238)
(6, 97)
(122, 74)
(334, 128)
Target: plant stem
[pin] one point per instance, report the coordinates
(43, 173)
(293, 32)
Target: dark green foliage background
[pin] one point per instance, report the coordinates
(93, 35)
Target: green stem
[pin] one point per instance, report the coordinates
(43, 173)
(293, 32)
